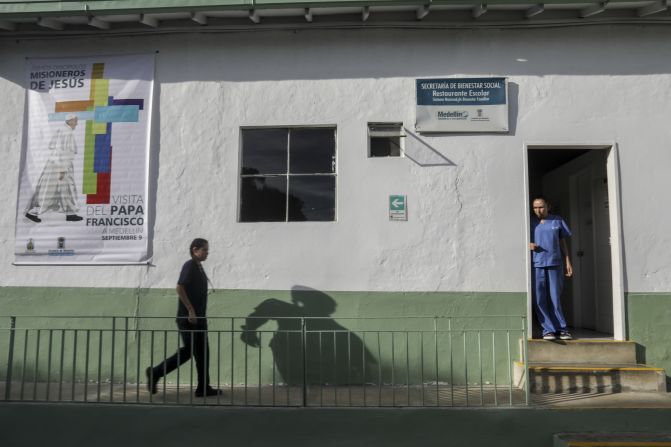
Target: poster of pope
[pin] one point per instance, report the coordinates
(83, 184)
(56, 189)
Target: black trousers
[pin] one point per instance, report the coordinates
(194, 340)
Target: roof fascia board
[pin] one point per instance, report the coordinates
(22, 9)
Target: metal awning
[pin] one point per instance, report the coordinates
(52, 17)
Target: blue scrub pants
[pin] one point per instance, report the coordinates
(548, 286)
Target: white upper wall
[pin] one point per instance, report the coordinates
(466, 228)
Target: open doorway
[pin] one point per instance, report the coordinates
(579, 185)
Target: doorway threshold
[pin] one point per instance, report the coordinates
(582, 333)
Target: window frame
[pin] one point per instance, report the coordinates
(401, 137)
(287, 175)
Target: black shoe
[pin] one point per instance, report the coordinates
(209, 391)
(33, 217)
(151, 383)
(73, 218)
(565, 335)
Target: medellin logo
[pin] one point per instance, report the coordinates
(453, 115)
(61, 243)
(30, 246)
(479, 113)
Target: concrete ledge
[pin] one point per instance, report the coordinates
(559, 378)
(582, 351)
(592, 378)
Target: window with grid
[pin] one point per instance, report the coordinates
(288, 174)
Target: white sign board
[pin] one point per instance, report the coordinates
(462, 105)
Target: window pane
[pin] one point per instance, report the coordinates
(312, 151)
(312, 197)
(264, 151)
(385, 147)
(263, 199)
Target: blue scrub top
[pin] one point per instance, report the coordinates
(546, 236)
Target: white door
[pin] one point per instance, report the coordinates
(603, 281)
(582, 252)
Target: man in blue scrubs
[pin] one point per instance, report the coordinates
(550, 262)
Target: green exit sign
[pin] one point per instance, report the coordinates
(398, 207)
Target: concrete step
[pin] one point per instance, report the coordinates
(586, 351)
(562, 378)
(612, 439)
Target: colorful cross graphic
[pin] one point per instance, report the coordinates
(100, 111)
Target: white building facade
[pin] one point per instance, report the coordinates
(588, 109)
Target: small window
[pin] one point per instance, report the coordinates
(385, 139)
(288, 174)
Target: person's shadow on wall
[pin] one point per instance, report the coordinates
(330, 354)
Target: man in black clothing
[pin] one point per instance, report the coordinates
(192, 323)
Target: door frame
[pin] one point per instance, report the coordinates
(615, 219)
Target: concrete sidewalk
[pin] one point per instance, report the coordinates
(429, 395)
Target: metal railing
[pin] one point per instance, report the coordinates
(291, 361)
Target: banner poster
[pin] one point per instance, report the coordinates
(462, 105)
(84, 177)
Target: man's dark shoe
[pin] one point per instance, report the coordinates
(151, 383)
(209, 391)
(73, 218)
(33, 217)
(565, 335)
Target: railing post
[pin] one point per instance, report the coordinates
(232, 356)
(525, 357)
(305, 364)
(435, 345)
(125, 359)
(10, 357)
(111, 360)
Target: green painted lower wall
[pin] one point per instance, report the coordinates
(163, 302)
(649, 325)
(130, 426)
(648, 316)
(351, 337)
